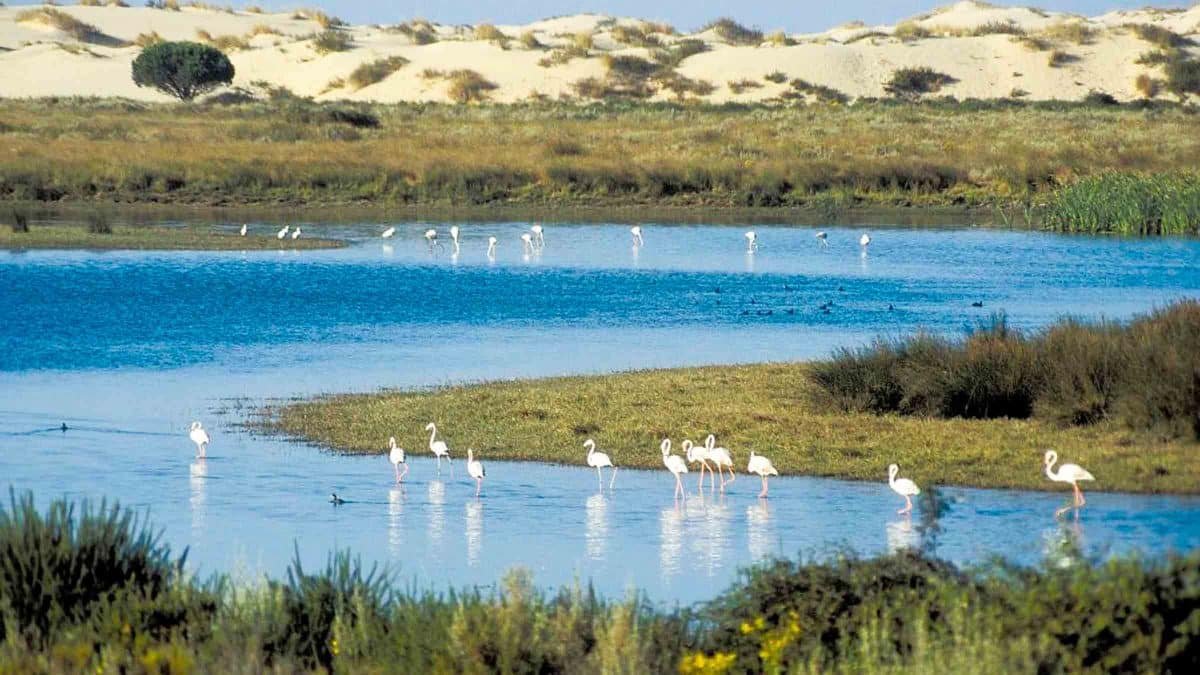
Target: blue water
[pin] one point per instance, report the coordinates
(127, 348)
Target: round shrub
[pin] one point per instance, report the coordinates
(184, 70)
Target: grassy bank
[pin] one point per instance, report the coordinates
(769, 408)
(135, 611)
(823, 157)
(126, 237)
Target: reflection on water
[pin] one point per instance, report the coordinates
(395, 521)
(197, 482)
(670, 540)
(759, 533)
(596, 533)
(902, 536)
(437, 518)
(717, 519)
(474, 530)
(1064, 544)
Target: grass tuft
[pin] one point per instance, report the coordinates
(734, 33)
(375, 71)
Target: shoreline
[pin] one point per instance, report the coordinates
(547, 420)
(127, 238)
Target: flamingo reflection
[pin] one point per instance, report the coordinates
(596, 533)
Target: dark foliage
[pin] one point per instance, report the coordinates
(184, 70)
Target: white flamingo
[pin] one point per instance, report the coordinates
(763, 467)
(296, 233)
(674, 464)
(1067, 473)
(475, 470)
(396, 457)
(454, 236)
(242, 232)
(697, 454)
(903, 487)
(491, 252)
(527, 242)
(538, 235)
(431, 237)
(751, 241)
(599, 460)
(636, 231)
(438, 448)
(200, 437)
(720, 457)
(282, 233)
(388, 233)
(823, 237)
(864, 240)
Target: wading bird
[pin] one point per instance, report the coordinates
(296, 233)
(527, 242)
(242, 232)
(396, 457)
(636, 232)
(282, 233)
(438, 448)
(475, 470)
(1067, 473)
(864, 240)
(431, 237)
(491, 252)
(538, 236)
(454, 236)
(823, 237)
(763, 467)
(720, 457)
(335, 500)
(697, 454)
(674, 464)
(198, 435)
(389, 233)
(903, 487)
(751, 241)
(599, 460)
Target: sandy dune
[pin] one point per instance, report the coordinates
(38, 60)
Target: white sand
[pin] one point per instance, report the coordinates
(36, 60)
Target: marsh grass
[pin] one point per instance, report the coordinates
(94, 590)
(151, 239)
(1135, 204)
(939, 153)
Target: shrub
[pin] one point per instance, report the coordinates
(630, 69)
(1034, 44)
(635, 37)
(486, 31)
(467, 86)
(1157, 57)
(908, 31)
(776, 76)
(1070, 31)
(818, 91)
(780, 39)
(60, 20)
(583, 40)
(734, 33)
(673, 56)
(530, 41)
(1058, 57)
(148, 39)
(1157, 35)
(262, 29)
(182, 69)
(420, 32)
(20, 221)
(564, 148)
(1147, 86)
(332, 40)
(740, 86)
(682, 86)
(997, 28)
(1095, 97)
(375, 71)
(225, 43)
(97, 223)
(913, 82)
(1183, 77)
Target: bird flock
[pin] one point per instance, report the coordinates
(711, 458)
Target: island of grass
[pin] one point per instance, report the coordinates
(153, 238)
(1118, 399)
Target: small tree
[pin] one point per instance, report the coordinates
(184, 70)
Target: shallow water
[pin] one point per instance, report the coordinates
(127, 348)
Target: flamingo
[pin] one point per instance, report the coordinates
(438, 448)
(296, 233)
(242, 232)
(697, 453)
(200, 437)
(282, 233)
(864, 240)
(823, 237)
(491, 252)
(431, 237)
(538, 235)
(454, 236)
(720, 458)
(1067, 473)
(598, 460)
(527, 241)
(396, 457)
(763, 467)
(903, 487)
(388, 233)
(751, 241)
(475, 470)
(674, 464)
(636, 231)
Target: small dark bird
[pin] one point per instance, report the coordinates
(745, 312)
(336, 500)
(717, 289)
(791, 311)
(825, 306)
(753, 301)
(841, 289)
(977, 304)
(64, 427)
(718, 303)
(891, 308)
(786, 287)
(826, 310)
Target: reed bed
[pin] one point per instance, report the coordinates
(907, 612)
(293, 151)
(1119, 203)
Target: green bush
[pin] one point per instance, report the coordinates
(20, 221)
(734, 33)
(375, 71)
(332, 40)
(1157, 35)
(1183, 77)
(913, 82)
(184, 70)
(97, 223)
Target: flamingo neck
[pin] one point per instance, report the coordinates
(432, 435)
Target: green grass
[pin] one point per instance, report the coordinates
(768, 408)
(1141, 204)
(153, 239)
(94, 590)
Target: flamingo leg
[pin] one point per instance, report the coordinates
(764, 487)
(732, 477)
(396, 471)
(478, 486)
(907, 505)
(613, 479)
(599, 479)
(401, 479)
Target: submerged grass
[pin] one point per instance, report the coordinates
(907, 612)
(150, 239)
(872, 153)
